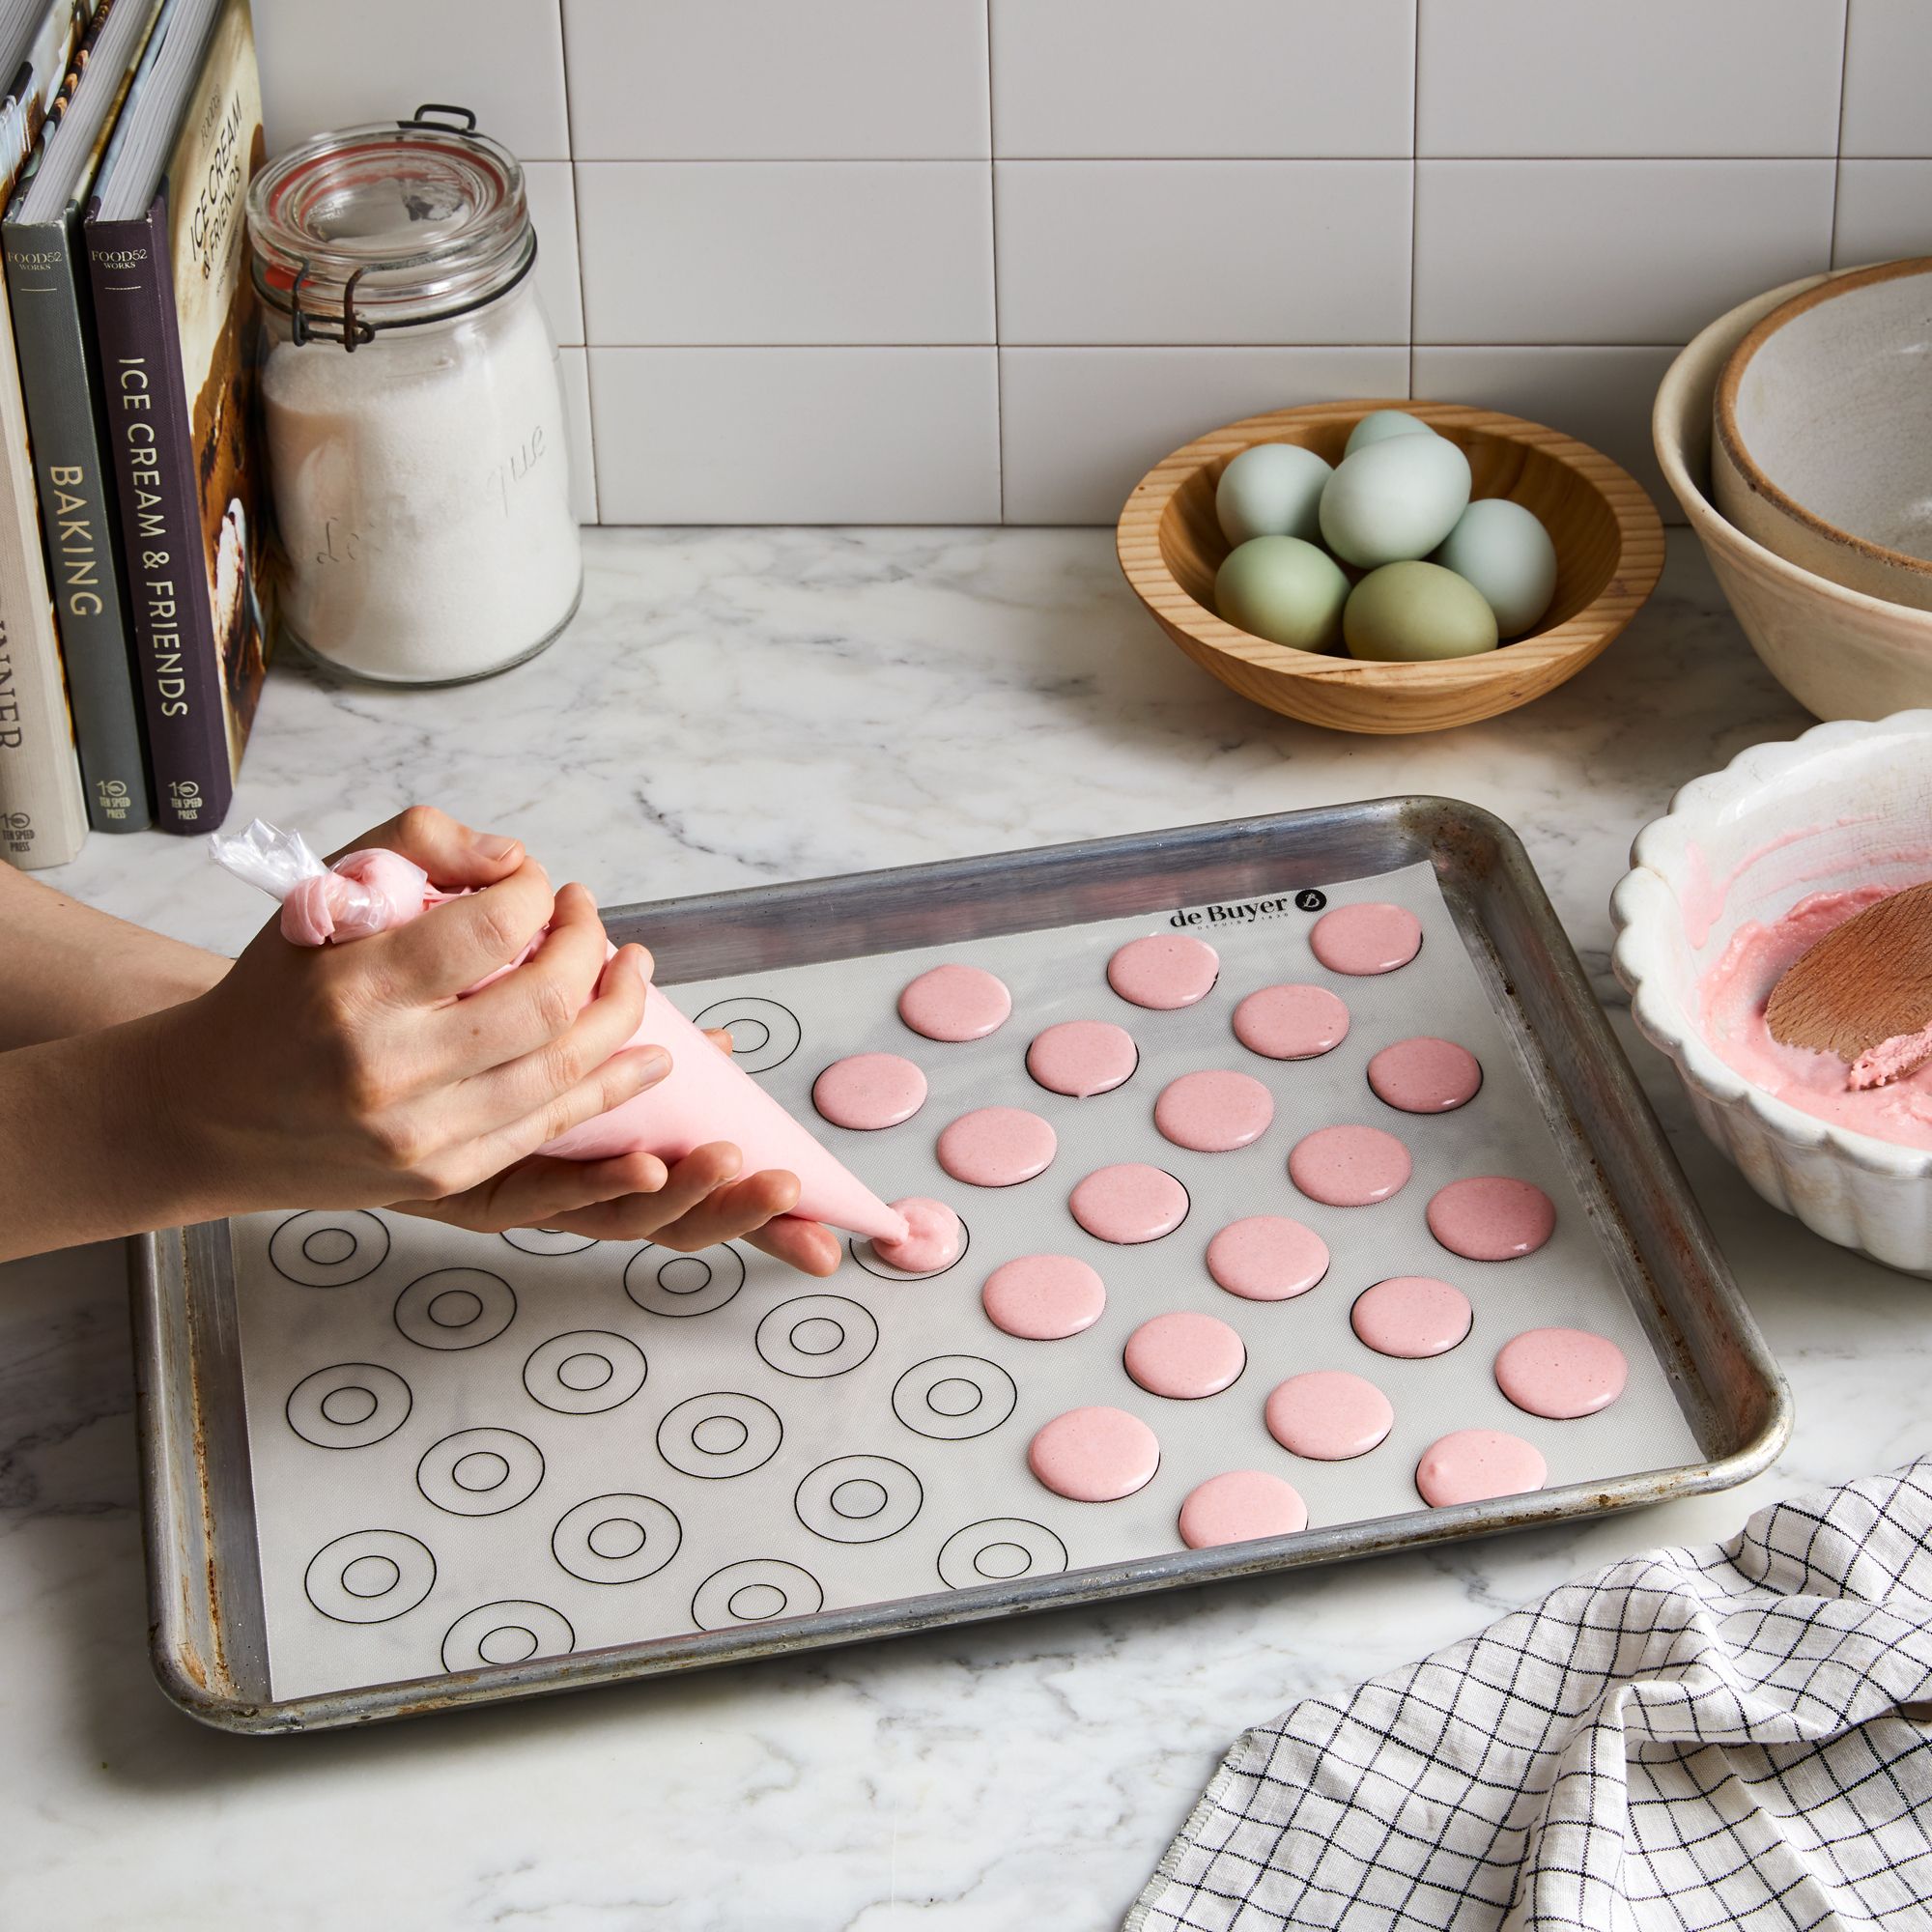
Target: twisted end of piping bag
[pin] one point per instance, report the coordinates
(706, 1096)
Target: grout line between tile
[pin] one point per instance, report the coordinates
(993, 269)
(1414, 173)
(1102, 348)
(1838, 156)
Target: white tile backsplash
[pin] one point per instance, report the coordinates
(783, 252)
(1633, 78)
(1884, 210)
(796, 436)
(1080, 426)
(1889, 79)
(682, 80)
(1607, 251)
(949, 260)
(1211, 252)
(338, 63)
(1109, 79)
(1601, 396)
(553, 200)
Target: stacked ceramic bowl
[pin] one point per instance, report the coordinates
(1793, 432)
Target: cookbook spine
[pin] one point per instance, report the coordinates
(152, 454)
(63, 399)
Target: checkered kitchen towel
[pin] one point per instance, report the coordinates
(1694, 1738)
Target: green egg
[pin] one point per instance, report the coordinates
(1285, 590)
(1379, 425)
(1407, 613)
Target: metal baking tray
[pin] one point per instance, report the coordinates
(207, 1628)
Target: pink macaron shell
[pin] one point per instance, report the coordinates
(1082, 1058)
(1425, 1075)
(1095, 1455)
(934, 1237)
(1129, 1203)
(1366, 940)
(1184, 1355)
(997, 1147)
(955, 1003)
(1328, 1415)
(868, 1092)
(1491, 1217)
(1240, 1506)
(1471, 1465)
(1348, 1166)
(1268, 1258)
(1411, 1317)
(1214, 1111)
(1292, 1022)
(1164, 971)
(1043, 1298)
(1561, 1373)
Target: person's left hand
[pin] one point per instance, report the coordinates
(695, 1203)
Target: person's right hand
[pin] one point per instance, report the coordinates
(353, 1076)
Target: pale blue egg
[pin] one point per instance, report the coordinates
(1273, 490)
(1394, 500)
(1507, 554)
(1379, 425)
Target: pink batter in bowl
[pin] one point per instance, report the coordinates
(1747, 868)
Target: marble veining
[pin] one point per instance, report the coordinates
(980, 1778)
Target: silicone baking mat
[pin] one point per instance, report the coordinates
(477, 1449)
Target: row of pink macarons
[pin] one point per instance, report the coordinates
(1101, 1454)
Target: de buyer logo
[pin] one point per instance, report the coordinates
(1245, 912)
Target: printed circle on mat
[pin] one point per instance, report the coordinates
(763, 1034)
(508, 1632)
(754, 1592)
(858, 1498)
(586, 1372)
(349, 1405)
(328, 1247)
(548, 1240)
(953, 1398)
(818, 1335)
(616, 1539)
(719, 1434)
(997, 1549)
(480, 1471)
(456, 1308)
(867, 1254)
(663, 1281)
(369, 1577)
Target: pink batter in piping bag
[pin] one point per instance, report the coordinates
(705, 1096)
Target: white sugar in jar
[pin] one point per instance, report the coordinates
(411, 405)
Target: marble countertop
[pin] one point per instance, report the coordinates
(929, 694)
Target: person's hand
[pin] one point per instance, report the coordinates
(695, 1203)
(353, 1075)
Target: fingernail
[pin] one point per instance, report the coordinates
(653, 1063)
(494, 845)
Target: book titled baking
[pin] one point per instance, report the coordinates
(179, 351)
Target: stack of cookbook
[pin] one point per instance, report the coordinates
(133, 510)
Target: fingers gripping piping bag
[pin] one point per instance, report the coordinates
(705, 1096)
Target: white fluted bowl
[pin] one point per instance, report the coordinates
(1847, 804)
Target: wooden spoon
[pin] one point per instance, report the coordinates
(1866, 982)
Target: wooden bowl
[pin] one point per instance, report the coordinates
(1609, 549)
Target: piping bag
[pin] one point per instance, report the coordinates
(704, 1097)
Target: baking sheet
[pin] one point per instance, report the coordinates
(378, 1565)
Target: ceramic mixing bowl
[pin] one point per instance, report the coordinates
(1839, 652)
(1823, 417)
(1846, 803)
